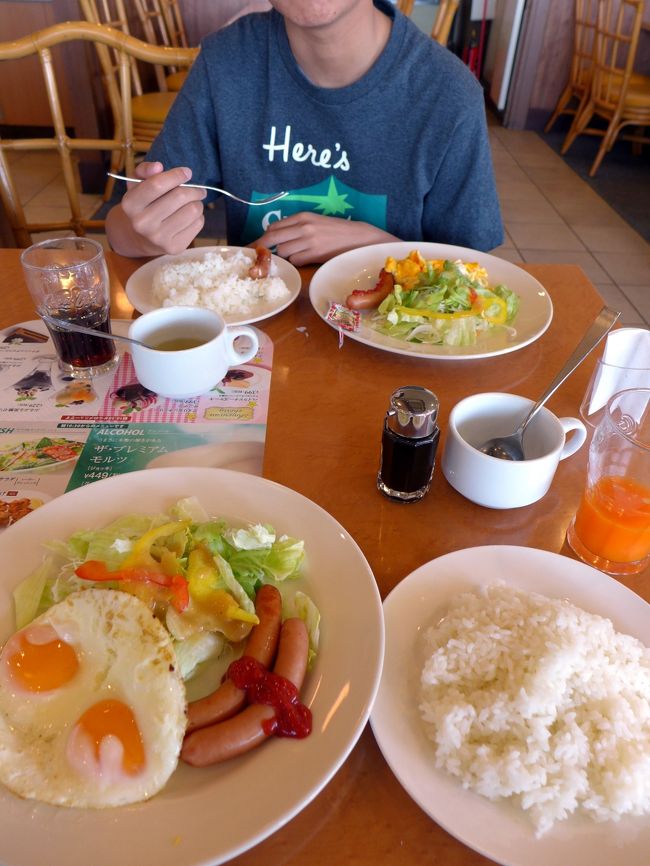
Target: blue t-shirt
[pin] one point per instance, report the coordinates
(404, 148)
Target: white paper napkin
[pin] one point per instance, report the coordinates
(625, 364)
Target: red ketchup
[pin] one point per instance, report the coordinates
(292, 718)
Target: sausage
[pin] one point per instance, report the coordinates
(293, 652)
(245, 731)
(262, 265)
(262, 642)
(366, 300)
(261, 645)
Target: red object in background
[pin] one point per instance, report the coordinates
(471, 59)
(474, 47)
(481, 41)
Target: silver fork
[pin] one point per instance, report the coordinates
(267, 200)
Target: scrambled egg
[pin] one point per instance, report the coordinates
(407, 271)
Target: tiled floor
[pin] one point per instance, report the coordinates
(40, 184)
(550, 215)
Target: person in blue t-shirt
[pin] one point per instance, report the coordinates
(377, 133)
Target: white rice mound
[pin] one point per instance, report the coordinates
(218, 282)
(533, 699)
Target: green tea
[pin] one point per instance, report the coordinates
(176, 344)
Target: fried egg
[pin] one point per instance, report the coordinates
(92, 708)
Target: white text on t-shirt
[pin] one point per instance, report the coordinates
(299, 152)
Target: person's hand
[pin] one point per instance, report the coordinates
(311, 238)
(164, 216)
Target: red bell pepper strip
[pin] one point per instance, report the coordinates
(96, 570)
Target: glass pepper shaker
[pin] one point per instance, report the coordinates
(408, 444)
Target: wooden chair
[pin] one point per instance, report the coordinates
(149, 109)
(444, 17)
(173, 16)
(618, 95)
(576, 91)
(119, 90)
(444, 20)
(112, 13)
(162, 24)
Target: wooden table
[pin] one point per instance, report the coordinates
(325, 418)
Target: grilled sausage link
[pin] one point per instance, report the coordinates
(262, 265)
(368, 299)
(261, 645)
(245, 731)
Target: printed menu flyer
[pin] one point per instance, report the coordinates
(58, 433)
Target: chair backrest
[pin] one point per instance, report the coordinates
(443, 21)
(584, 44)
(111, 13)
(405, 6)
(162, 24)
(617, 40)
(119, 91)
(173, 16)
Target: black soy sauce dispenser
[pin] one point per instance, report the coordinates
(408, 444)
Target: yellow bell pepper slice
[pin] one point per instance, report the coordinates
(141, 550)
(202, 575)
(500, 317)
(477, 309)
(432, 314)
(238, 613)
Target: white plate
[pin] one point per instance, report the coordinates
(206, 816)
(497, 830)
(359, 269)
(139, 286)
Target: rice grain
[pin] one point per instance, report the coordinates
(533, 699)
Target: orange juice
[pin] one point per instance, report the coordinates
(613, 519)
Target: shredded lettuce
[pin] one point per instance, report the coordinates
(511, 299)
(302, 606)
(190, 509)
(233, 562)
(280, 561)
(28, 593)
(233, 586)
(256, 537)
(111, 544)
(196, 649)
(457, 307)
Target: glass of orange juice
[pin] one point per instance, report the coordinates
(611, 529)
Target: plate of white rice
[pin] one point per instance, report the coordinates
(514, 706)
(215, 278)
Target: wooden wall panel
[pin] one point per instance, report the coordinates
(555, 58)
(201, 18)
(22, 95)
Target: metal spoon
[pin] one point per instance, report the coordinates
(511, 447)
(62, 325)
(259, 201)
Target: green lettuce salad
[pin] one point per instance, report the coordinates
(442, 303)
(198, 574)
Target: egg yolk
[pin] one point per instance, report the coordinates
(38, 660)
(112, 718)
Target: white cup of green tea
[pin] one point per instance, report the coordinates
(188, 350)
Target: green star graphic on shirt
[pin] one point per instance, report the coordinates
(330, 197)
(332, 204)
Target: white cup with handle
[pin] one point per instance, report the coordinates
(191, 350)
(491, 481)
